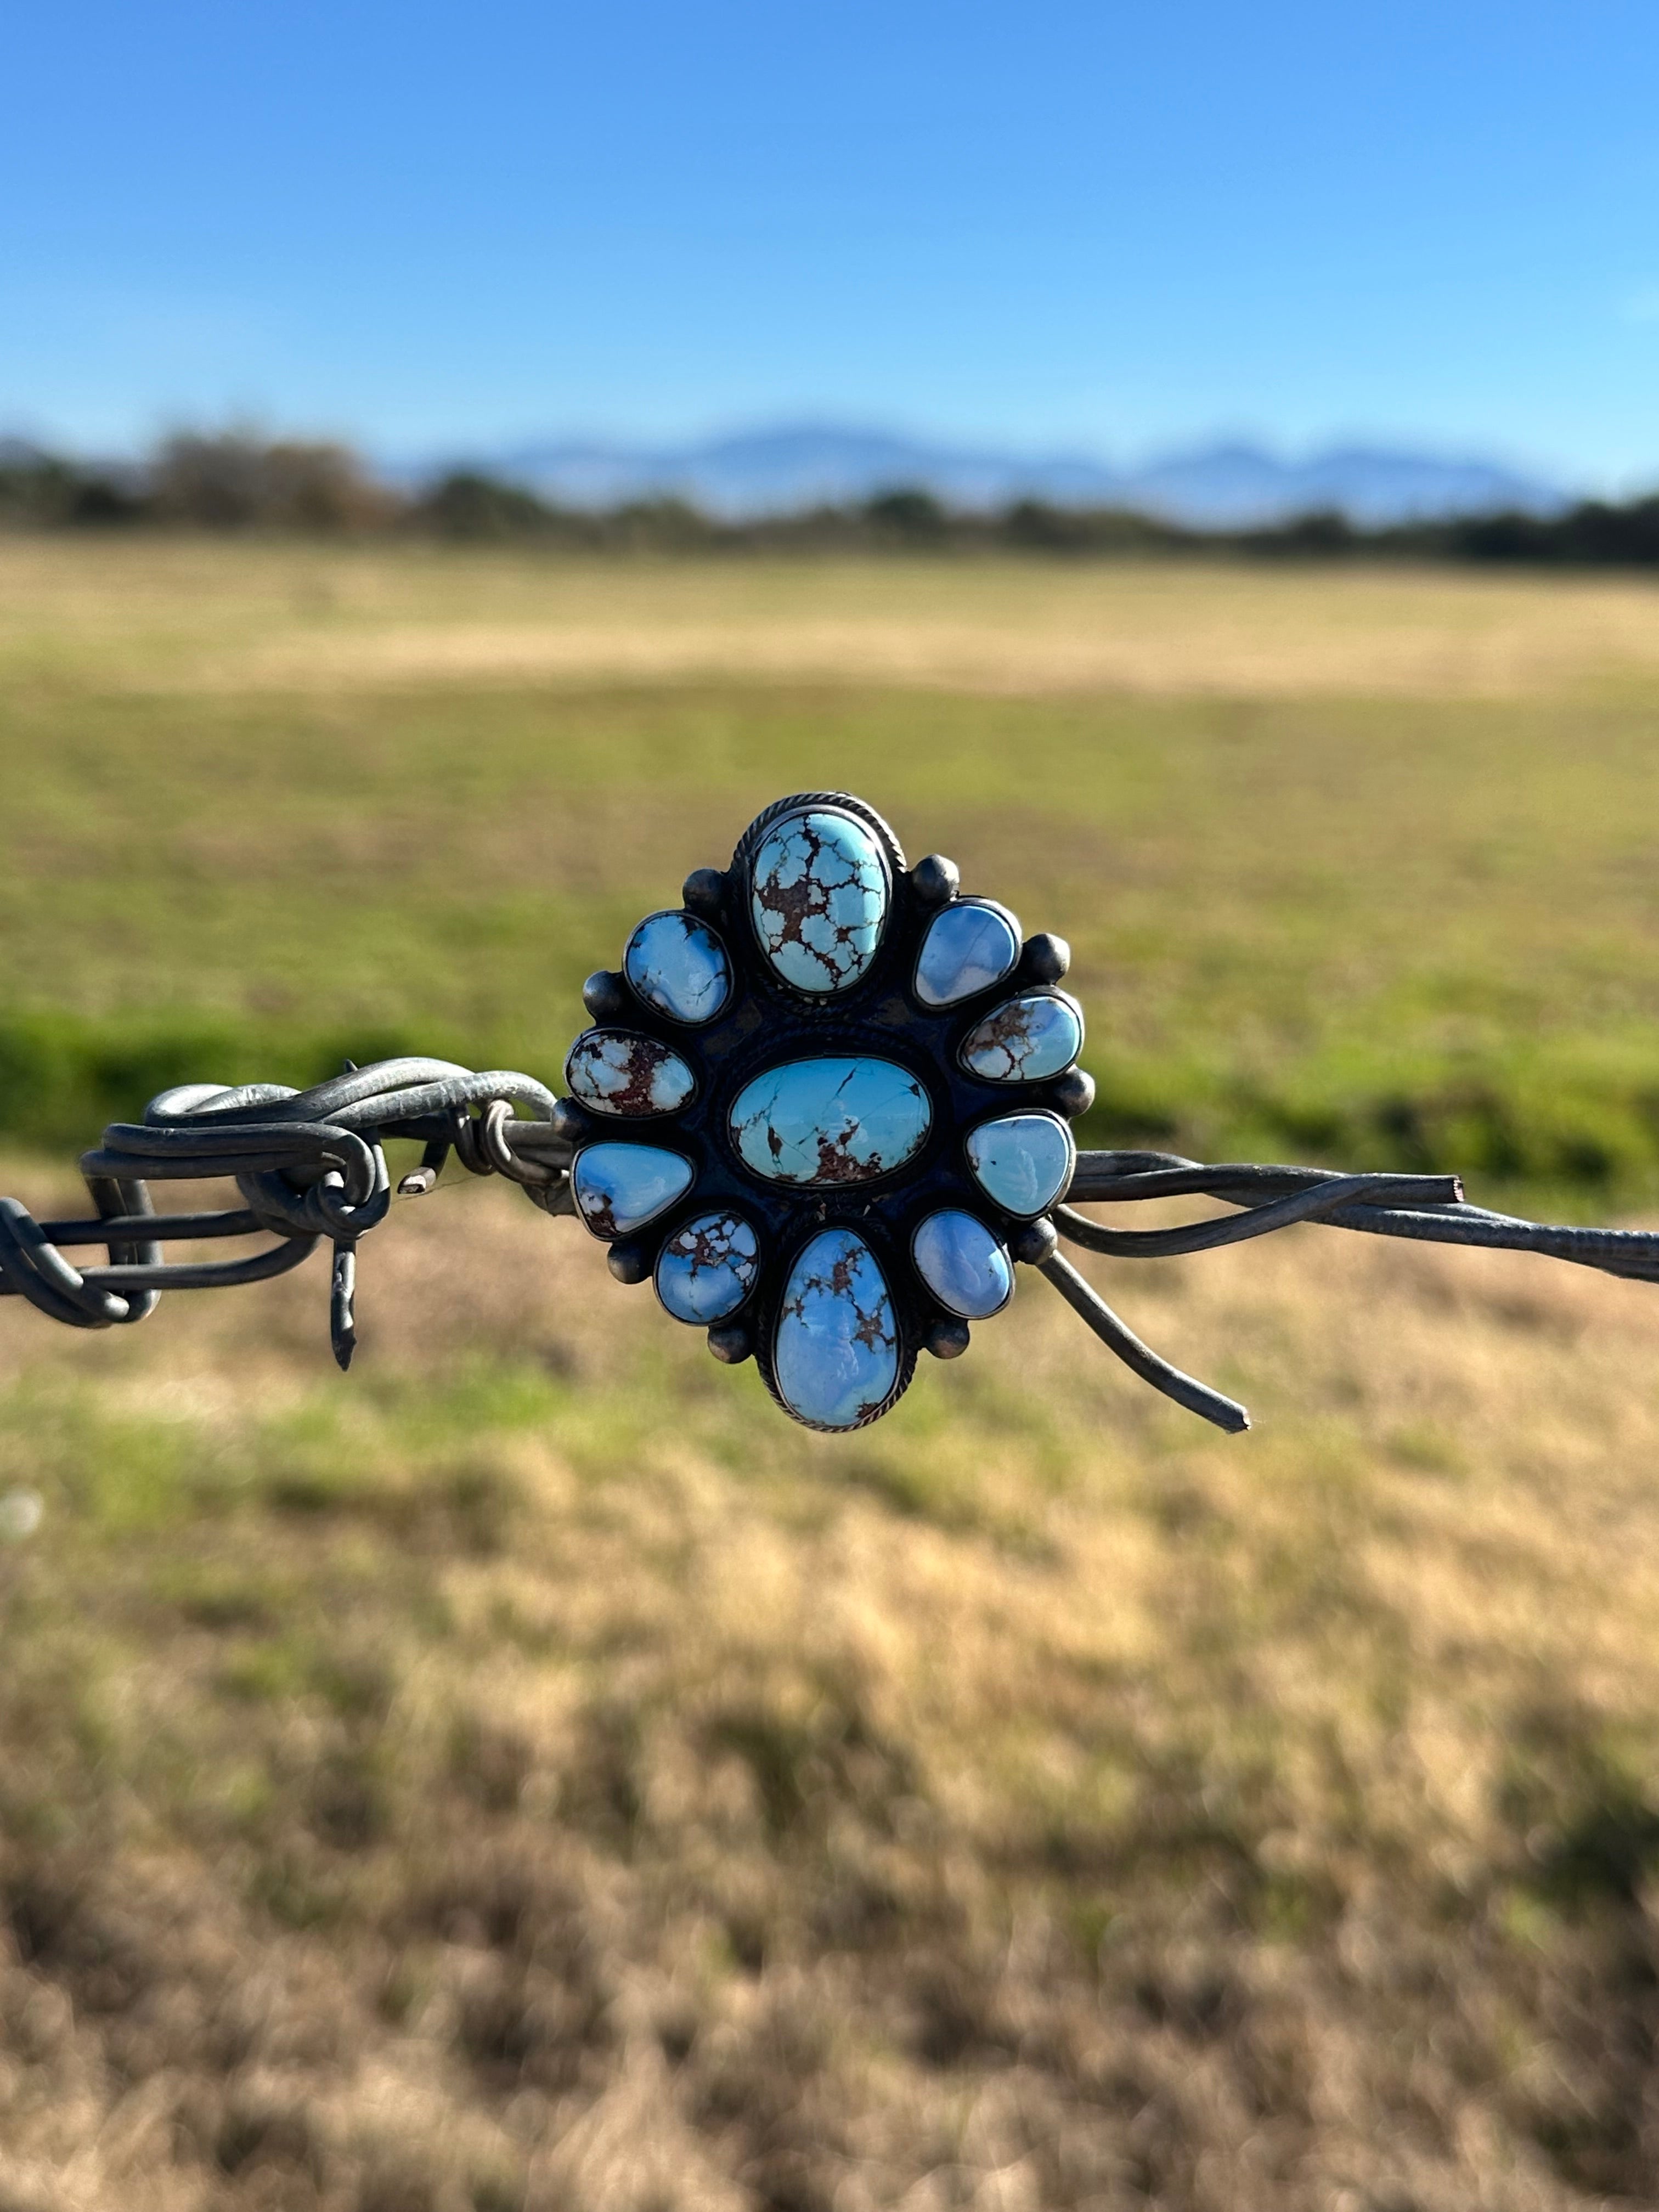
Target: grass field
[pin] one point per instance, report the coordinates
(1355, 864)
(529, 1773)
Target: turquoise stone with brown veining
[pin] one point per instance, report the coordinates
(619, 1072)
(835, 1351)
(817, 1122)
(707, 1268)
(619, 1187)
(1025, 1040)
(819, 896)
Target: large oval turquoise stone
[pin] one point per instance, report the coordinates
(619, 1187)
(1023, 1162)
(818, 895)
(619, 1072)
(835, 1354)
(965, 1266)
(678, 965)
(1025, 1040)
(968, 946)
(820, 1121)
(707, 1268)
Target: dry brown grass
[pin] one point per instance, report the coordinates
(177, 615)
(529, 1774)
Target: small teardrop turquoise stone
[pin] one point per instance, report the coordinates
(619, 1187)
(820, 1121)
(835, 1354)
(965, 1266)
(968, 946)
(707, 1268)
(1025, 1040)
(818, 897)
(619, 1072)
(678, 965)
(1023, 1162)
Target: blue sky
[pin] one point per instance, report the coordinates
(1109, 227)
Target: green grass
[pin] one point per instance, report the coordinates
(529, 1773)
(1390, 933)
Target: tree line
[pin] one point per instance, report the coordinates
(237, 482)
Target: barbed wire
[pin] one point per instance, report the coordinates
(1428, 1208)
(310, 1165)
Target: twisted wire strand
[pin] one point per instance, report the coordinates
(1319, 1199)
(1429, 1209)
(306, 1164)
(1113, 1176)
(311, 1164)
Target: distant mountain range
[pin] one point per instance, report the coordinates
(1221, 486)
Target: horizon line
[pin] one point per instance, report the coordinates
(1007, 449)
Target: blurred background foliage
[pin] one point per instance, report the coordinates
(238, 480)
